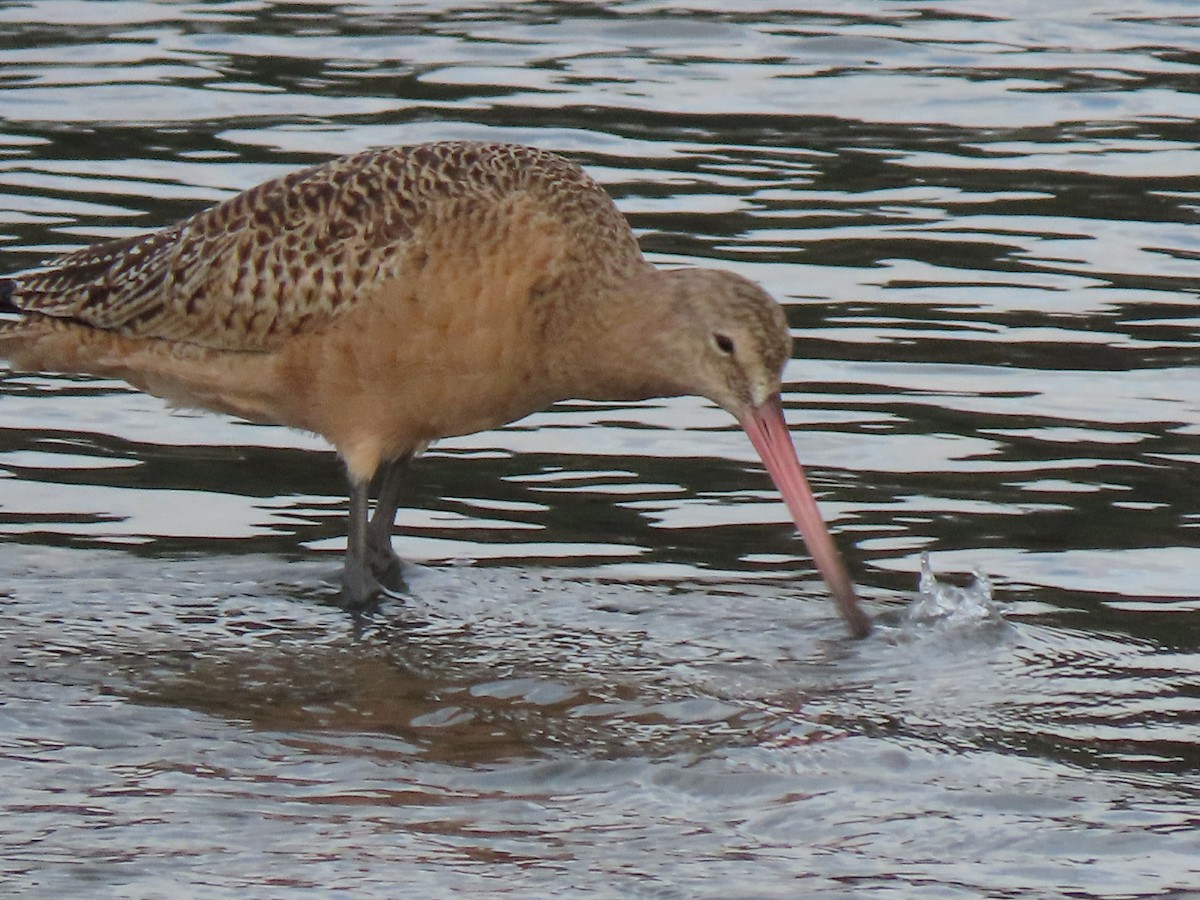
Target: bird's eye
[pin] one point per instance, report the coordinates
(724, 343)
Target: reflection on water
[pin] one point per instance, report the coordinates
(616, 668)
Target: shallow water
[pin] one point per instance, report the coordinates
(615, 671)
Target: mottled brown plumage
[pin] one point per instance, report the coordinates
(394, 297)
(291, 255)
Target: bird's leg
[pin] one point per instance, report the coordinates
(359, 585)
(381, 558)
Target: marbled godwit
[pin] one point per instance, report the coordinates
(394, 297)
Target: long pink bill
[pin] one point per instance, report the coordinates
(769, 434)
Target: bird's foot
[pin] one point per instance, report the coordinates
(360, 587)
(385, 567)
(364, 581)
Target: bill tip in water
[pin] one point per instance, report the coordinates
(857, 621)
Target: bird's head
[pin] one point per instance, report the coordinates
(717, 335)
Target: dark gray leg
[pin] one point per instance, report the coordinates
(381, 558)
(359, 585)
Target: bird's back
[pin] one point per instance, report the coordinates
(293, 254)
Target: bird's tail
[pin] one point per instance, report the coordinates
(11, 326)
(7, 287)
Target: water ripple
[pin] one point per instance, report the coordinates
(614, 670)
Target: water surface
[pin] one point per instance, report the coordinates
(616, 671)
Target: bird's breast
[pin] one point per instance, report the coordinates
(450, 346)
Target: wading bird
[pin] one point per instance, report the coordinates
(394, 297)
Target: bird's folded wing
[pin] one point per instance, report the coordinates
(287, 256)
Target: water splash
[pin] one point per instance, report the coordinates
(938, 602)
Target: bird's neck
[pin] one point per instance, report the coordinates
(603, 340)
